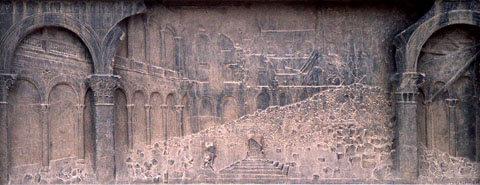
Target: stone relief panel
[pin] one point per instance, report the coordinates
(447, 114)
(51, 119)
(249, 93)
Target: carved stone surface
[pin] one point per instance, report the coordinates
(144, 91)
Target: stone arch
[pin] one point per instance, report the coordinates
(229, 109)
(205, 113)
(206, 106)
(158, 125)
(170, 47)
(122, 135)
(88, 126)
(410, 41)
(40, 88)
(187, 110)
(284, 98)
(25, 128)
(139, 118)
(172, 126)
(303, 95)
(409, 44)
(63, 80)
(263, 101)
(62, 121)
(227, 49)
(18, 31)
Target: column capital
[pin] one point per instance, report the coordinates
(148, 107)
(103, 87)
(409, 81)
(44, 107)
(7, 80)
(406, 97)
(179, 108)
(164, 106)
(80, 107)
(451, 102)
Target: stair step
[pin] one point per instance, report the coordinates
(252, 176)
(266, 172)
(255, 168)
(255, 165)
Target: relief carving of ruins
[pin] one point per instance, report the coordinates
(167, 91)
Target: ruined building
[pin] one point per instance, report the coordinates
(255, 91)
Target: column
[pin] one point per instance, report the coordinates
(179, 114)
(149, 124)
(164, 118)
(103, 87)
(130, 126)
(81, 134)
(6, 82)
(452, 127)
(406, 160)
(45, 137)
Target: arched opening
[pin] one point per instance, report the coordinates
(121, 135)
(229, 111)
(263, 101)
(206, 113)
(173, 130)
(52, 107)
(138, 117)
(62, 117)
(89, 128)
(25, 129)
(447, 116)
(187, 125)
(285, 99)
(170, 49)
(158, 127)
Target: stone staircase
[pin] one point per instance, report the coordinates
(255, 170)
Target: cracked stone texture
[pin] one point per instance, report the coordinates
(238, 92)
(342, 132)
(438, 166)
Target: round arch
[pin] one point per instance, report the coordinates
(410, 42)
(20, 30)
(59, 80)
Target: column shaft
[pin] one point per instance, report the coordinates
(149, 124)
(81, 134)
(103, 87)
(407, 156)
(45, 137)
(6, 82)
(164, 118)
(130, 126)
(452, 127)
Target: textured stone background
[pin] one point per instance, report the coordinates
(212, 91)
